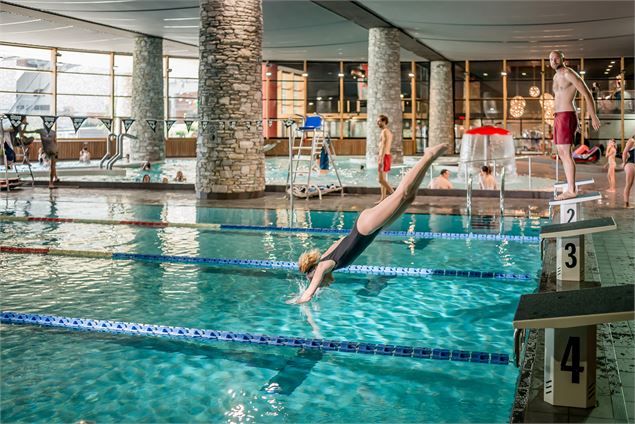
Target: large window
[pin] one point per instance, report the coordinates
(84, 88)
(182, 91)
(323, 87)
(25, 81)
(123, 85)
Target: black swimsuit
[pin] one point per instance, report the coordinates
(350, 248)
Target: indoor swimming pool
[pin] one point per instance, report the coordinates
(59, 375)
(276, 168)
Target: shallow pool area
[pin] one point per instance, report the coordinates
(352, 171)
(121, 378)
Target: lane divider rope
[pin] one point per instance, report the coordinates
(217, 227)
(266, 264)
(118, 327)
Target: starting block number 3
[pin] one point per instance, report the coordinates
(570, 262)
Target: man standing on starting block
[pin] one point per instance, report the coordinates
(566, 82)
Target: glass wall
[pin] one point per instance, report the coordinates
(26, 81)
(182, 95)
(45, 81)
(510, 94)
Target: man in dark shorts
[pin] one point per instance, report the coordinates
(566, 82)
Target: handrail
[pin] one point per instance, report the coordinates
(493, 159)
(4, 155)
(529, 158)
(289, 123)
(107, 156)
(469, 196)
(119, 149)
(502, 193)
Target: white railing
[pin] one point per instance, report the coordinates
(493, 161)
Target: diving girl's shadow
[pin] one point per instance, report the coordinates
(374, 286)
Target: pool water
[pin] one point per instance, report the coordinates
(276, 169)
(55, 375)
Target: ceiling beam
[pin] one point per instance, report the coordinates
(366, 18)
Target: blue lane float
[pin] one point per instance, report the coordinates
(396, 271)
(119, 327)
(409, 234)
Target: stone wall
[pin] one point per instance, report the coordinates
(441, 125)
(147, 100)
(230, 161)
(384, 89)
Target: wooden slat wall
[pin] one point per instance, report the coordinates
(180, 148)
(186, 148)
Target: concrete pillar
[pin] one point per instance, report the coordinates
(230, 162)
(384, 89)
(147, 100)
(441, 126)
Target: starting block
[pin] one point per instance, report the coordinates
(564, 186)
(570, 244)
(569, 319)
(570, 208)
(571, 212)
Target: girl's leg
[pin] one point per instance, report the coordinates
(394, 205)
(629, 170)
(611, 177)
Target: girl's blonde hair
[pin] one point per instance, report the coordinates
(308, 260)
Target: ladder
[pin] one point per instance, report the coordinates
(313, 139)
(25, 152)
(25, 159)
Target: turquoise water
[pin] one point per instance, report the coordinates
(52, 375)
(349, 167)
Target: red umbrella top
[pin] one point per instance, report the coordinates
(489, 130)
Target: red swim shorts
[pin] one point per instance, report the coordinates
(387, 162)
(565, 125)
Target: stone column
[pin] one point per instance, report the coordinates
(441, 125)
(147, 100)
(384, 89)
(230, 162)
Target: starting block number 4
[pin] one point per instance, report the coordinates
(570, 366)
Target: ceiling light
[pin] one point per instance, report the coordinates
(612, 62)
(411, 75)
(319, 98)
(524, 74)
(21, 22)
(341, 75)
(582, 72)
(606, 73)
(534, 91)
(304, 74)
(485, 74)
(43, 30)
(503, 73)
(310, 103)
(268, 74)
